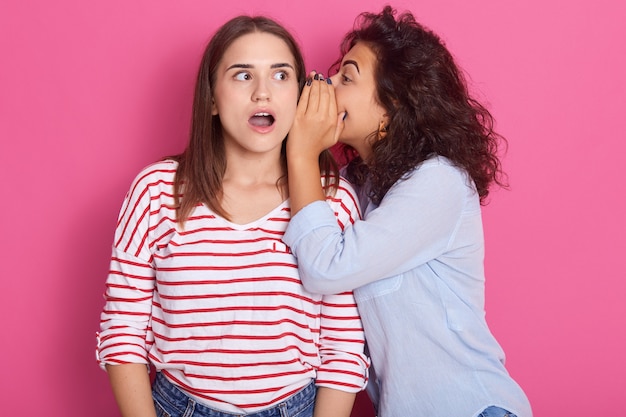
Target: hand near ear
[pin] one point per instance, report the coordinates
(317, 125)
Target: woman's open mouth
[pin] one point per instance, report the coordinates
(261, 120)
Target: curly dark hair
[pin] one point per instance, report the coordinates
(428, 104)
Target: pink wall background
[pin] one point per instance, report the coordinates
(90, 92)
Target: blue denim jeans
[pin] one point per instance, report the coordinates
(496, 412)
(170, 401)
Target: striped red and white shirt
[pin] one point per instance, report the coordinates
(219, 307)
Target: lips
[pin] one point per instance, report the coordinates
(261, 119)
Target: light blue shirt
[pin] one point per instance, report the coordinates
(416, 265)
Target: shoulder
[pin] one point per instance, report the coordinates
(440, 170)
(161, 171)
(165, 170)
(436, 181)
(440, 163)
(154, 178)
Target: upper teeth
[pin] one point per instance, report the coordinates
(261, 114)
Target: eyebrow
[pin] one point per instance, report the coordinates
(348, 62)
(273, 66)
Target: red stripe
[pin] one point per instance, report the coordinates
(239, 308)
(336, 339)
(127, 299)
(253, 294)
(227, 268)
(234, 337)
(337, 383)
(248, 377)
(216, 254)
(343, 361)
(125, 313)
(118, 335)
(231, 323)
(326, 316)
(204, 393)
(229, 281)
(343, 329)
(138, 182)
(129, 287)
(224, 241)
(228, 365)
(287, 348)
(121, 353)
(127, 262)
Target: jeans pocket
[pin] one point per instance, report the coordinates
(306, 411)
(160, 410)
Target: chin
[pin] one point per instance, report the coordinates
(347, 141)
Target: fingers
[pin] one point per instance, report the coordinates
(327, 105)
(332, 101)
(341, 117)
(315, 124)
(303, 102)
(314, 96)
(318, 96)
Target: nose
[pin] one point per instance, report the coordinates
(335, 79)
(261, 91)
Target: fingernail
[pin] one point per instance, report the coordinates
(328, 81)
(309, 81)
(316, 77)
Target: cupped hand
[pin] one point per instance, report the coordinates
(317, 125)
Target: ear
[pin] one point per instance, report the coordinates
(384, 122)
(214, 110)
(383, 125)
(384, 119)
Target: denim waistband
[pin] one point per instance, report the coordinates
(175, 395)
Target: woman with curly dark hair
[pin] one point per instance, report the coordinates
(426, 157)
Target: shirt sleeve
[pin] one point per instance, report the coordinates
(125, 320)
(344, 366)
(414, 224)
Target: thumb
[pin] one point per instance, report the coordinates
(341, 117)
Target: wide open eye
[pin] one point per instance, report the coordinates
(242, 76)
(281, 75)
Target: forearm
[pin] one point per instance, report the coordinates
(333, 403)
(132, 390)
(304, 181)
(315, 128)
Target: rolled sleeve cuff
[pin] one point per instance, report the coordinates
(314, 215)
(353, 379)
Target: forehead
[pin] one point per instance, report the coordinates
(362, 56)
(258, 47)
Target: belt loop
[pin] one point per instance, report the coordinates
(284, 411)
(191, 406)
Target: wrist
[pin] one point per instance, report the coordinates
(300, 158)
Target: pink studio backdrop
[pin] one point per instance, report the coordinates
(90, 92)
